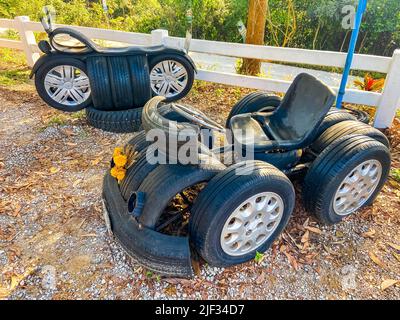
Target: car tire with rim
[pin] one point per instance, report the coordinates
(254, 102)
(63, 84)
(345, 177)
(171, 76)
(239, 214)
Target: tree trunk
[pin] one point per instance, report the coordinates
(255, 33)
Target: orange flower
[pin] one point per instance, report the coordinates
(118, 151)
(121, 174)
(114, 172)
(118, 173)
(120, 160)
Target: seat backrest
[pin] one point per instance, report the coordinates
(302, 110)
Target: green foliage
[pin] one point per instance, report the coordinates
(259, 257)
(395, 174)
(13, 68)
(318, 22)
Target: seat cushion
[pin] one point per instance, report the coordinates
(246, 130)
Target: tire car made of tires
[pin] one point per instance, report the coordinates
(345, 177)
(239, 214)
(64, 84)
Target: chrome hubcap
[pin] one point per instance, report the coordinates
(67, 85)
(168, 78)
(357, 187)
(252, 223)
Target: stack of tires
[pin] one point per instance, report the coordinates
(120, 87)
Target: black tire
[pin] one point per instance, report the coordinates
(185, 63)
(166, 181)
(135, 174)
(120, 81)
(333, 117)
(100, 83)
(138, 141)
(332, 166)
(359, 114)
(115, 121)
(254, 102)
(140, 77)
(345, 128)
(223, 194)
(40, 87)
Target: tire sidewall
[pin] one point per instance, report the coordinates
(212, 243)
(186, 64)
(39, 83)
(329, 189)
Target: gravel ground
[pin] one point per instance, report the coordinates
(54, 244)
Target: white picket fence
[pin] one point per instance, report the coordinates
(386, 102)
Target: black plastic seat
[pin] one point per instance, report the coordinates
(294, 124)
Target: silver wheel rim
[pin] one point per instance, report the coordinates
(355, 190)
(252, 223)
(67, 85)
(168, 78)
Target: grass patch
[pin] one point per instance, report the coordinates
(395, 174)
(57, 120)
(78, 115)
(13, 68)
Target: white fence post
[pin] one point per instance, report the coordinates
(157, 36)
(28, 40)
(390, 99)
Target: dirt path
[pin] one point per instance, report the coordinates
(54, 245)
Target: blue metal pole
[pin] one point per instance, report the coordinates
(362, 6)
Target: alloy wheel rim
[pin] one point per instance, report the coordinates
(252, 223)
(67, 85)
(357, 187)
(168, 78)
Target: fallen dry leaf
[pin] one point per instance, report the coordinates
(375, 259)
(170, 291)
(388, 283)
(4, 293)
(305, 237)
(54, 170)
(261, 278)
(394, 246)
(95, 161)
(313, 230)
(292, 261)
(369, 234)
